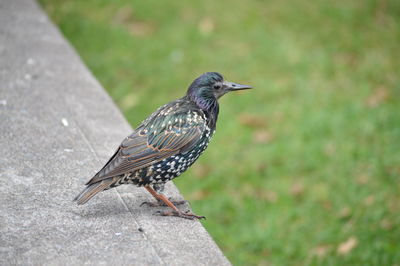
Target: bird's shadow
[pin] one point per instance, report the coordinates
(114, 208)
(110, 208)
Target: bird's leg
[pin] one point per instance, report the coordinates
(155, 195)
(152, 192)
(175, 211)
(160, 202)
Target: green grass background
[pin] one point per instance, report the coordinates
(305, 168)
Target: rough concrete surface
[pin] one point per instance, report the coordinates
(57, 128)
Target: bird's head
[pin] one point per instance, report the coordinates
(209, 87)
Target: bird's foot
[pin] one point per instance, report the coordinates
(160, 203)
(186, 215)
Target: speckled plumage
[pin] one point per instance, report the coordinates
(184, 124)
(168, 142)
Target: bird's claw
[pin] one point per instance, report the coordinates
(150, 204)
(160, 203)
(186, 215)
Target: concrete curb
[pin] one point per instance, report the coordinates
(58, 126)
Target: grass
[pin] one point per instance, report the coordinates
(304, 169)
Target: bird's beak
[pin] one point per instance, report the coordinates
(231, 86)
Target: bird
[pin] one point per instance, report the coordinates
(165, 144)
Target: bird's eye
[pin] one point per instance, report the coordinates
(217, 86)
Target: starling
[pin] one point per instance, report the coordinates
(166, 143)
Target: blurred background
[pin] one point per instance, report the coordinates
(305, 168)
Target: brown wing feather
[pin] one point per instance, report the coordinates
(146, 147)
(130, 158)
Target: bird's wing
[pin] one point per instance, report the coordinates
(160, 137)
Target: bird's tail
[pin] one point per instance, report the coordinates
(91, 190)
